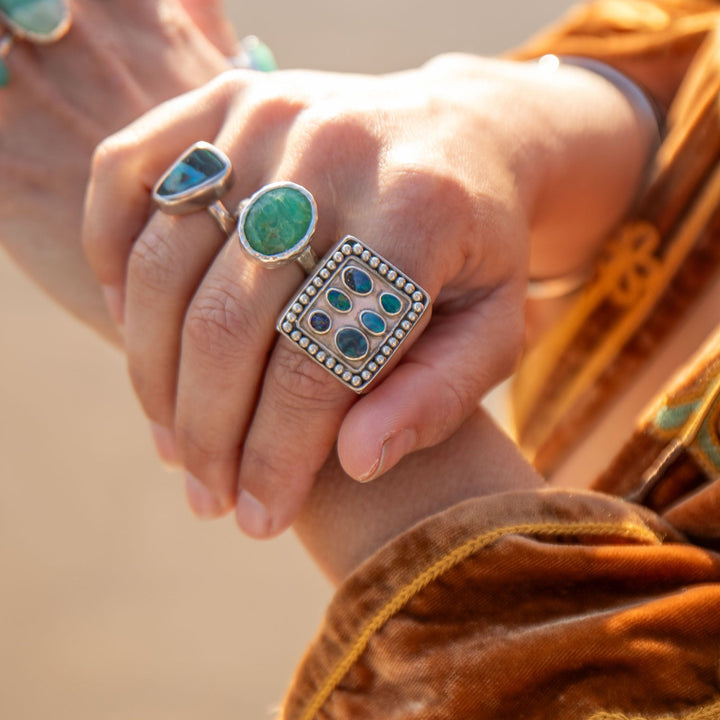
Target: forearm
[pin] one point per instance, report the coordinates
(344, 522)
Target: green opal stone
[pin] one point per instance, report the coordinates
(36, 16)
(4, 74)
(277, 220)
(390, 303)
(196, 168)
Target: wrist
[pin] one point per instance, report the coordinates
(596, 140)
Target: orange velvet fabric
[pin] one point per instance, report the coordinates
(537, 605)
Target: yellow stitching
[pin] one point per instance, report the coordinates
(706, 712)
(445, 563)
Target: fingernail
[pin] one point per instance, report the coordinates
(115, 300)
(394, 449)
(164, 440)
(252, 516)
(202, 502)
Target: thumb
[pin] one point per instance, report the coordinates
(210, 17)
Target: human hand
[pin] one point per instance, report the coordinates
(118, 60)
(447, 171)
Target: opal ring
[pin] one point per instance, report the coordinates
(36, 21)
(353, 313)
(196, 181)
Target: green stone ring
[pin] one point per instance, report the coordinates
(276, 225)
(37, 21)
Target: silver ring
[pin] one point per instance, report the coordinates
(45, 23)
(276, 226)
(196, 181)
(353, 313)
(6, 42)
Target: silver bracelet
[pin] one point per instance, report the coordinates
(639, 98)
(643, 104)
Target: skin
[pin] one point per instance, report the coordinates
(119, 59)
(345, 522)
(469, 174)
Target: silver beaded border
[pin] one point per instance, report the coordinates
(317, 345)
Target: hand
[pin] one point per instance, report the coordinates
(119, 59)
(447, 171)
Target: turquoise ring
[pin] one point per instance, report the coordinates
(6, 42)
(37, 21)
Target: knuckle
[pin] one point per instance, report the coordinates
(265, 108)
(220, 324)
(151, 264)
(341, 132)
(111, 155)
(300, 381)
(198, 450)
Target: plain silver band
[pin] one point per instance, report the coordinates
(223, 217)
(307, 260)
(6, 42)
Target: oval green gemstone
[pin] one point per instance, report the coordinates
(277, 220)
(352, 343)
(390, 303)
(373, 322)
(339, 300)
(4, 74)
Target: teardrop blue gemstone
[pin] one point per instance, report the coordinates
(390, 303)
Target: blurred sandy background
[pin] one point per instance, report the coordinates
(114, 602)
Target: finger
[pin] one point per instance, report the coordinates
(210, 17)
(125, 169)
(436, 387)
(228, 333)
(292, 433)
(173, 254)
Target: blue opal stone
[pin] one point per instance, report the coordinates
(358, 281)
(373, 322)
(320, 322)
(196, 168)
(352, 343)
(339, 300)
(391, 304)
